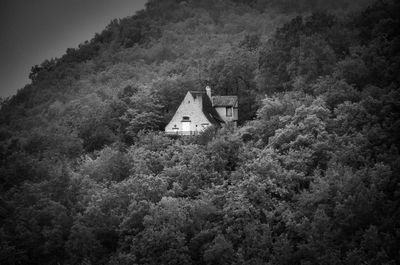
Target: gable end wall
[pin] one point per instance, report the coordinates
(193, 110)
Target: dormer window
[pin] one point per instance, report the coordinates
(228, 112)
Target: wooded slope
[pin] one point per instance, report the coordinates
(310, 177)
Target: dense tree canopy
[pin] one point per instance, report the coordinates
(311, 175)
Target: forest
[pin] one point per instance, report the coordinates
(310, 176)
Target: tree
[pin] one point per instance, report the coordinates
(143, 113)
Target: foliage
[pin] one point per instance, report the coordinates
(310, 177)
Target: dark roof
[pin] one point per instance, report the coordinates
(224, 101)
(208, 110)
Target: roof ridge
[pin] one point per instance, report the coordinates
(224, 101)
(197, 91)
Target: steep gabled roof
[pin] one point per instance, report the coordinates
(207, 108)
(224, 101)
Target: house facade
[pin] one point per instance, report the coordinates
(199, 109)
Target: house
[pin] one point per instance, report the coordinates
(199, 109)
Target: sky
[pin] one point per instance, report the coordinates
(32, 31)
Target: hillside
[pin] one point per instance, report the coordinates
(311, 176)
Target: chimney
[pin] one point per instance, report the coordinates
(208, 91)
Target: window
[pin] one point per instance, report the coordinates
(228, 112)
(185, 118)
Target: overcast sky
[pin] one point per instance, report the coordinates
(34, 30)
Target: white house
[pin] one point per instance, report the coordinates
(199, 109)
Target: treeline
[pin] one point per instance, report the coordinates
(310, 177)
